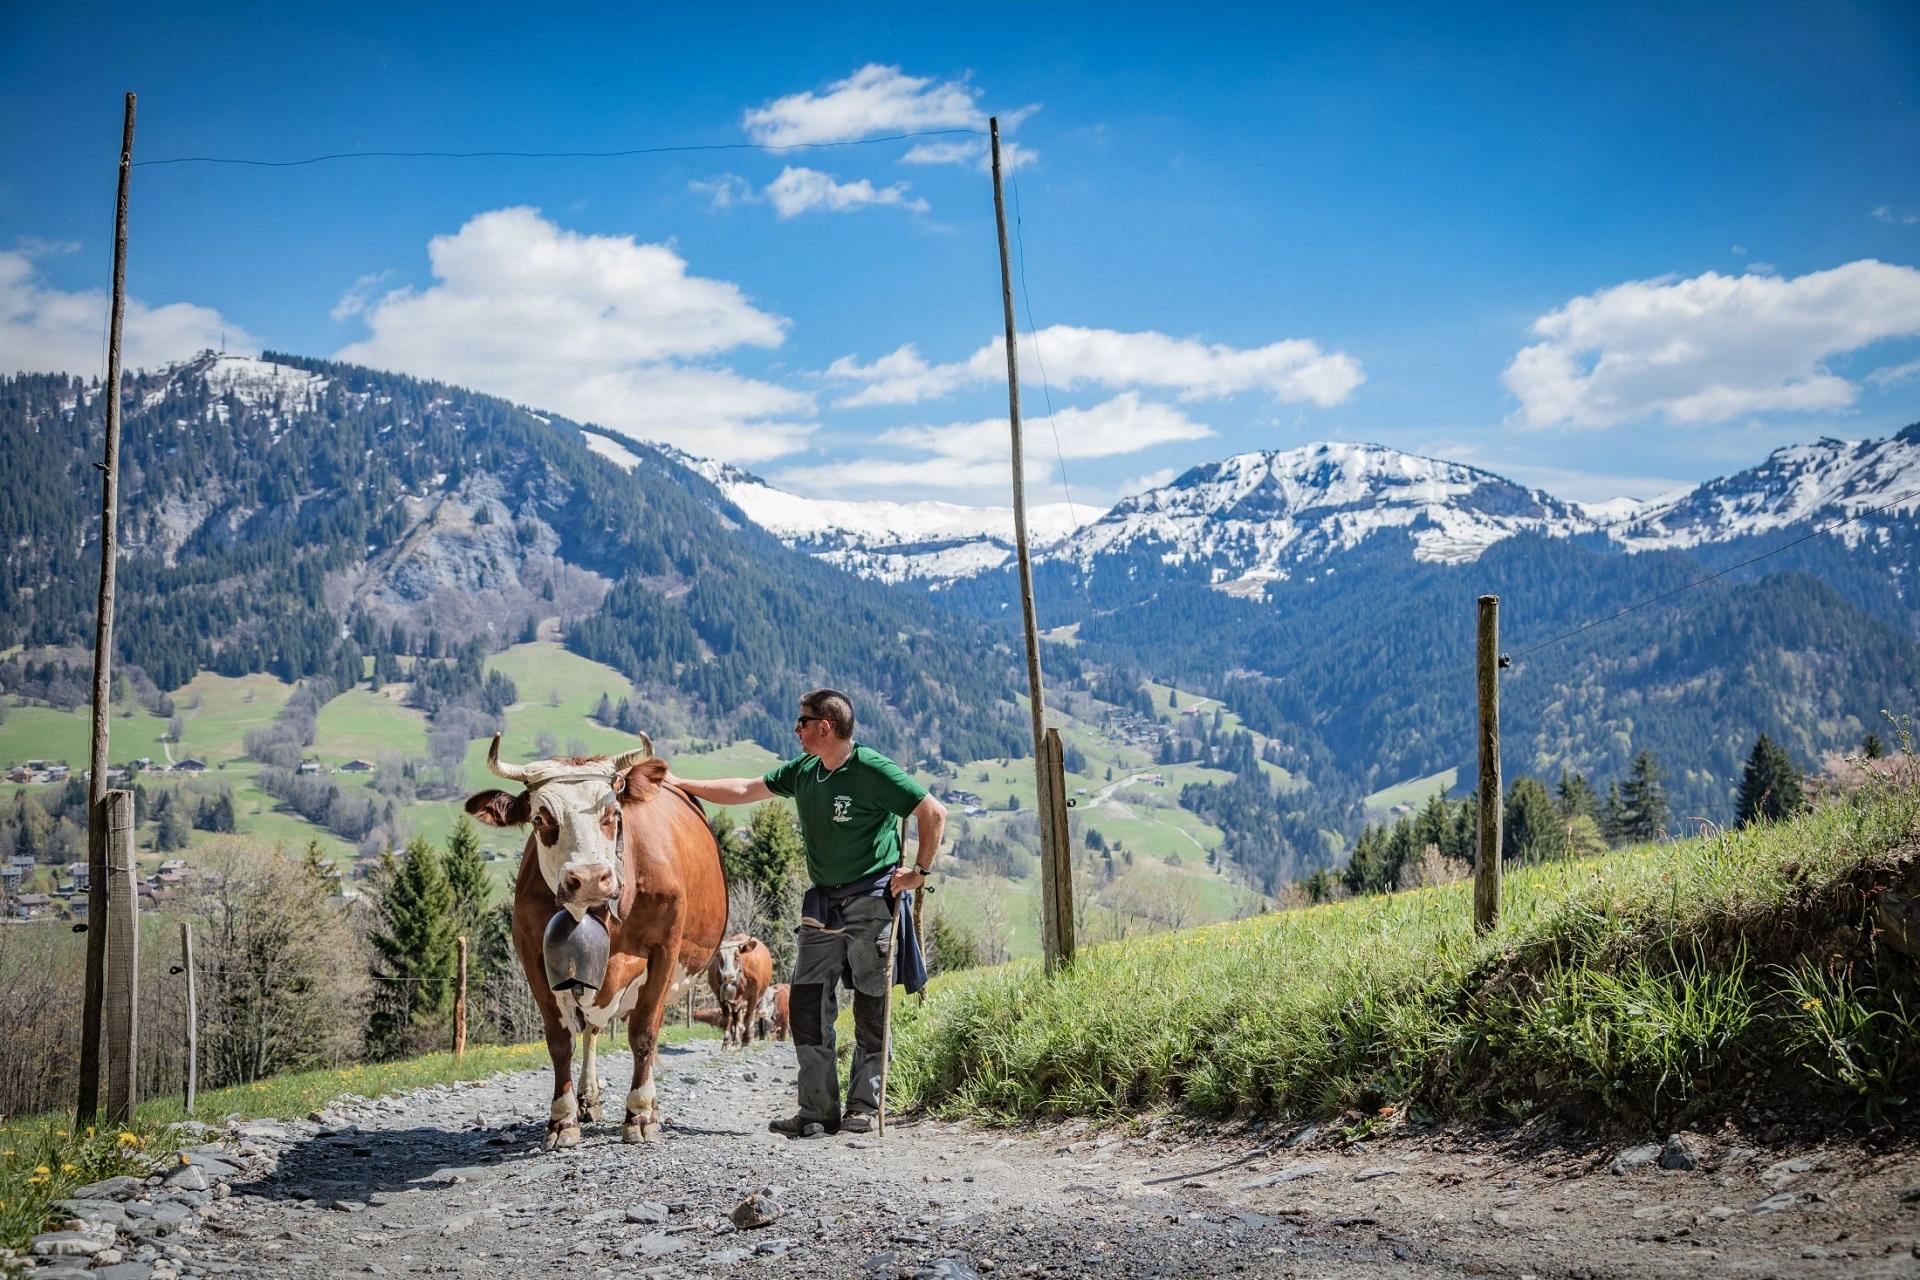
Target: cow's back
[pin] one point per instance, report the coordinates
(673, 861)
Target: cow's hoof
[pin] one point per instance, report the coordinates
(560, 1139)
(642, 1130)
(590, 1111)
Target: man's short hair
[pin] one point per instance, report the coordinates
(833, 706)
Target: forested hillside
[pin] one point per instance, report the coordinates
(295, 516)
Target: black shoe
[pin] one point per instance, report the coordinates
(857, 1122)
(802, 1127)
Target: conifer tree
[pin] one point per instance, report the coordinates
(1643, 799)
(1871, 746)
(1531, 829)
(1575, 796)
(413, 945)
(772, 858)
(1770, 787)
(1613, 815)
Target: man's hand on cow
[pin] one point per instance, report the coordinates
(907, 879)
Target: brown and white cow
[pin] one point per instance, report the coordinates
(607, 834)
(775, 1015)
(739, 973)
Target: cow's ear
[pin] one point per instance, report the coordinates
(501, 808)
(640, 781)
(749, 945)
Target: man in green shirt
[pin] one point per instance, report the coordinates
(850, 799)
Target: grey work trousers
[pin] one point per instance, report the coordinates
(861, 952)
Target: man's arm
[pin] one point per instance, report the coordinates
(931, 816)
(723, 790)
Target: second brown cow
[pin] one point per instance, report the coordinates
(739, 973)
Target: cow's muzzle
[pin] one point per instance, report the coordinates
(585, 885)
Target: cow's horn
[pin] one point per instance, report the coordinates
(627, 759)
(511, 772)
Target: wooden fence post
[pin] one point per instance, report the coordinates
(193, 1013)
(460, 1006)
(1486, 863)
(123, 960)
(689, 1004)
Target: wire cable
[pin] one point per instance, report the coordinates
(553, 155)
(1033, 338)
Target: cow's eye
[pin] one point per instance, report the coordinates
(609, 821)
(546, 828)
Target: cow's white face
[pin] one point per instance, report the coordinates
(726, 966)
(574, 806)
(576, 834)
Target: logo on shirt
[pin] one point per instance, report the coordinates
(843, 808)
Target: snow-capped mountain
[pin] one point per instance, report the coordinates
(1826, 480)
(892, 541)
(1261, 516)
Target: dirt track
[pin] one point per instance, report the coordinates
(452, 1181)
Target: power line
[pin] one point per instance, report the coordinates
(554, 155)
(1033, 336)
(1664, 595)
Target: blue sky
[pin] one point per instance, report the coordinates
(1600, 249)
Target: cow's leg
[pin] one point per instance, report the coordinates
(644, 1115)
(589, 1076)
(563, 1120)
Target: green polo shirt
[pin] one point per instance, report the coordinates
(848, 816)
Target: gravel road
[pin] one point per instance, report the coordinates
(451, 1181)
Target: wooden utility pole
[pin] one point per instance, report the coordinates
(1062, 844)
(1486, 863)
(460, 1006)
(1057, 945)
(193, 1014)
(123, 961)
(94, 1002)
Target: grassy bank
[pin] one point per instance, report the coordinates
(1649, 985)
(43, 1158)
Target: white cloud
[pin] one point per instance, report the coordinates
(595, 327)
(873, 100)
(48, 330)
(977, 152)
(1152, 480)
(1884, 213)
(1124, 424)
(358, 295)
(797, 190)
(726, 190)
(1293, 370)
(1891, 374)
(1710, 348)
(974, 456)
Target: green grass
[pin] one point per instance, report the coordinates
(43, 1158)
(42, 733)
(1650, 985)
(361, 724)
(1414, 791)
(217, 712)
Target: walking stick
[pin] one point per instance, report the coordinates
(886, 1012)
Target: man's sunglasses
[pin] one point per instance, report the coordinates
(801, 723)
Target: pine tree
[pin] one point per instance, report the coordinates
(1871, 746)
(1770, 786)
(1613, 815)
(1532, 829)
(1575, 796)
(772, 858)
(314, 861)
(471, 888)
(413, 945)
(1643, 798)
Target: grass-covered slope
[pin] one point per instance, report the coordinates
(1648, 985)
